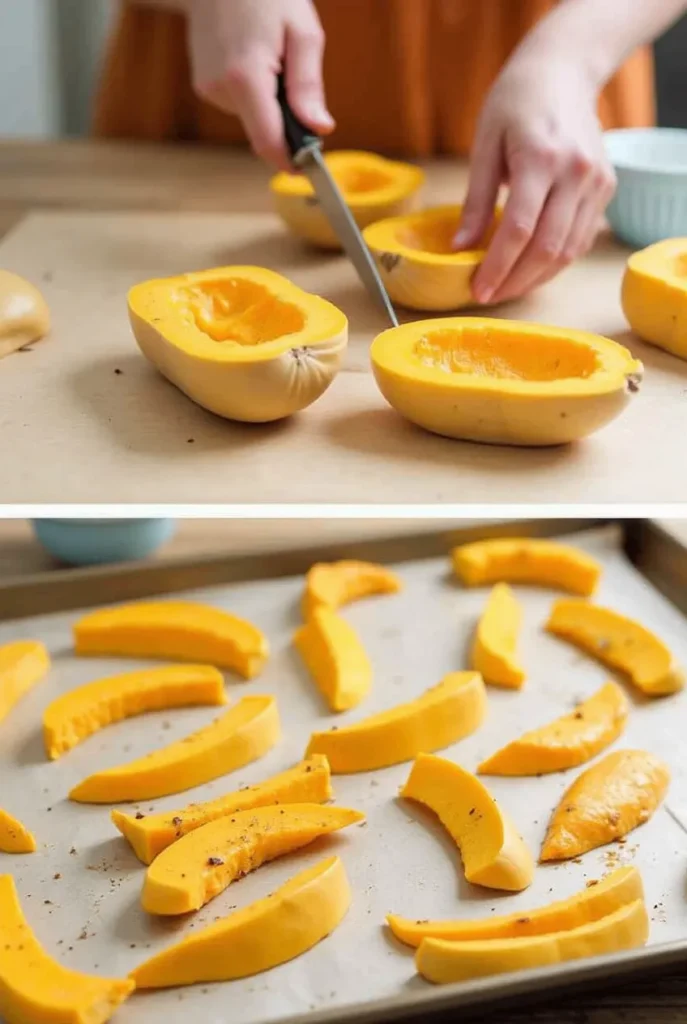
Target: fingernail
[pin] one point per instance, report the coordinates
(319, 115)
(483, 294)
(461, 236)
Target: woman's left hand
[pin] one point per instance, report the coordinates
(539, 134)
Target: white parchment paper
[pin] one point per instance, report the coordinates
(81, 889)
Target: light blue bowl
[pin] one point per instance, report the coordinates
(650, 204)
(96, 541)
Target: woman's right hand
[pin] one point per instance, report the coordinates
(237, 49)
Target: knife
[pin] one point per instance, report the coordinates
(306, 152)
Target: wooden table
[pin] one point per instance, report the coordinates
(75, 429)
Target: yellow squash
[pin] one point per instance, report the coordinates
(242, 735)
(22, 664)
(526, 560)
(616, 890)
(24, 313)
(333, 584)
(654, 295)
(35, 989)
(268, 932)
(203, 863)
(494, 647)
(243, 342)
(503, 381)
(620, 643)
(184, 630)
(447, 712)
(566, 742)
(493, 853)
(335, 658)
(444, 962)
(372, 186)
(605, 802)
(79, 713)
(14, 837)
(417, 261)
(150, 834)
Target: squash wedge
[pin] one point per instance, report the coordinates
(24, 313)
(335, 657)
(616, 890)
(503, 381)
(203, 863)
(545, 563)
(79, 713)
(566, 742)
(182, 630)
(493, 853)
(243, 734)
(654, 295)
(494, 648)
(333, 584)
(242, 342)
(270, 931)
(447, 712)
(150, 834)
(35, 989)
(620, 643)
(14, 837)
(22, 664)
(608, 800)
(444, 962)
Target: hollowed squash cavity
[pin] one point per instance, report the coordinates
(237, 310)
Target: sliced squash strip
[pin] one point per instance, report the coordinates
(494, 651)
(15, 837)
(335, 657)
(493, 853)
(203, 863)
(447, 712)
(616, 890)
(34, 987)
(620, 643)
(334, 584)
(608, 800)
(242, 735)
(79, 713)
(566, 742)
(183, 630)
(444, 962)
(270, 931)
(526, 560)
(150, 834)
(22, 664)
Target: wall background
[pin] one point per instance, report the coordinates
(50, 51)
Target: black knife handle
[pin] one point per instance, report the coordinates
(297, 136)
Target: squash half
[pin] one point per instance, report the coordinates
(503, 381)
(654, 295)
(372, 186)
(243, 342)
(24, 314)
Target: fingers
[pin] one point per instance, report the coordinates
(486, 174)
(304, 81)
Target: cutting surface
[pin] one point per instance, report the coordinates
(84, 418)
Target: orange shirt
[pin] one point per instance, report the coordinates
(404, 77)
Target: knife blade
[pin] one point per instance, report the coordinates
(306, 152)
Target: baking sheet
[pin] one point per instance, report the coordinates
(400, 860)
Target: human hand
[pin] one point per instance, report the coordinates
(539, 133)
(237, 49)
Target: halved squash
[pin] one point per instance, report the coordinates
(14, 836)
(492, 851)
(494, 650)
(35, 989)
(268, 932)
(372, 186)
(503, 381)
(547, 563)
(333, 584)
(22, 664)
(335, 658)
(24, 313)
(417, 261)
(243, 342)
(654, 295)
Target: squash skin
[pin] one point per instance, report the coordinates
(22, 664)
(533, 560)
(298, 207)
(336, 659)
(37, 989)
(334, 584)
(293, 919)
(493, 853)
(14, 836)
(495, 410)
(654, 295)
(24, 313)
(256, 383)
(494, 653)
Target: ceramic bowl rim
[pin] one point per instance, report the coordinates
(622, 162)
